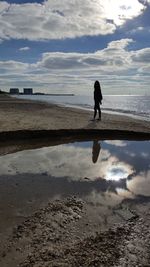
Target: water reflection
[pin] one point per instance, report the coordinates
(118, 167)
(95, 150)
(117, 173)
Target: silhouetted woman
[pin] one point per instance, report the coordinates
(97, 99)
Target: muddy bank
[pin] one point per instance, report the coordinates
(14, 141)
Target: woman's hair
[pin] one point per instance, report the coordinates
(97, 85)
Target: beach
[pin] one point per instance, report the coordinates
(19, 114)
(40, 228)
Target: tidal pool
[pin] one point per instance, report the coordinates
(103, 173)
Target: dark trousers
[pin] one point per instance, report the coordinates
(95, 112)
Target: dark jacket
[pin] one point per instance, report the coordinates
(98, 97)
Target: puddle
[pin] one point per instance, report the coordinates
(105, 174)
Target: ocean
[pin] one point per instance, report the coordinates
(129, 105)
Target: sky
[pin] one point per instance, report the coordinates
(63, 46)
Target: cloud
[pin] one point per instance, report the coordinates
(13, 66)
(24, 48)
(145, 69)
(147, 1)
(119, 11)
(142, 56)
(119, 44)
(115, 66)
(65, 19)
(113, 58)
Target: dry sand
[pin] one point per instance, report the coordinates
(60, 232)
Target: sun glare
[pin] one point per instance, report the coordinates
(116, 173)
(120, 10)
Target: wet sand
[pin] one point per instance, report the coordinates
(65, 232)
(62, 233)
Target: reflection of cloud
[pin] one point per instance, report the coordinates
(124, 193)
(116, 142)
(60, 161)
(118, 171)
(115, 166)
(135, 154)
(140, 184)
(99, 194)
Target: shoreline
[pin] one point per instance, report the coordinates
(90, 109)
(27, 124)
(18, 114)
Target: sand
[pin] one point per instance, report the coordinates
(65, 232)
(16, 114)
(62, 234)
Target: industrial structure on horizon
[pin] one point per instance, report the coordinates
(14, 91)
(26, 91)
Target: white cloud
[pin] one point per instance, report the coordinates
(142, 56)
(13, 66)
(140, 28)
(113, 58)
(119, 44)
(65, 19)
(145, 69)
(121, 10)
(24, 48)
(114, 65)
(3, 7)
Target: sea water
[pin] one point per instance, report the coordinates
(126, 104)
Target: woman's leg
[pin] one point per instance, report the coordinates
(95, 112)
(99, 111)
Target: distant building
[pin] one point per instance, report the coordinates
(14, 91)
(27, 91)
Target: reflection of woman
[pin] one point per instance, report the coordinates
(95, 151)
(97, 99)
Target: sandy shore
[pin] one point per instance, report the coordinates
(36, 230)
(16, 114)
(26, 124)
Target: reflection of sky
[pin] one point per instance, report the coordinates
(116, 172)
(121, 165)
(72, 161)
(135, 153)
